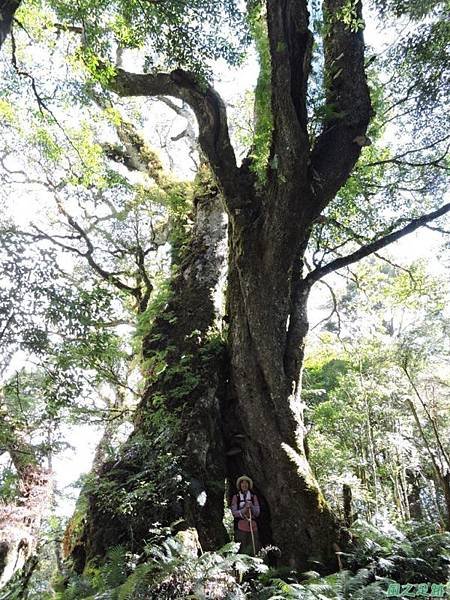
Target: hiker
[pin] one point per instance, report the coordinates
(245, 508)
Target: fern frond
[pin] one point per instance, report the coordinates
(140, 576)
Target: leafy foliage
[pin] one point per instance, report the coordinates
(389, 329)
(416, 555)
(131, 24)
(168, 568)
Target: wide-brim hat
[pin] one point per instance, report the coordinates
(244, 478)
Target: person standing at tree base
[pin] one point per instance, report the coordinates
(245, 508)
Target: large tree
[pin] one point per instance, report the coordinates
(307, 200)
(271, 222)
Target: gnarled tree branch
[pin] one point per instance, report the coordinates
(208, 108)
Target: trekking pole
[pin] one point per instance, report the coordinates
(251, 532)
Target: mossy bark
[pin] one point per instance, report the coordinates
(172, 468)
(267, 306)
(260, 427)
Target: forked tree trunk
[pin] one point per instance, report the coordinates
(242, 414)
(270, 225)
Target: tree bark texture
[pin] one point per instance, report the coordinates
(265, 408)
(269, 227)
(172, 468)
(7, 11)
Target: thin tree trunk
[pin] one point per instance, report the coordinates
(404, 488)
(348, 508)
(446, 488)
(414, 486)
(395, 495)
(433, 487)
(442, 477)
(432, 421)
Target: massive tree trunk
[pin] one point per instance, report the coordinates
(267, 306)
(172, 468)
(270, 224)
(271, 217)
(267, 413)
(268, 289)
(189, 332)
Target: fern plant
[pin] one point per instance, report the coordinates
(166, 570)
(114, 572)
(339, 586)
(413, 556)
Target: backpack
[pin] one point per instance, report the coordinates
(236, 519)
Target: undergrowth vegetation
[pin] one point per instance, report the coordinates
(382, 562)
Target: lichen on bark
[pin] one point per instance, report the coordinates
(172, 468)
